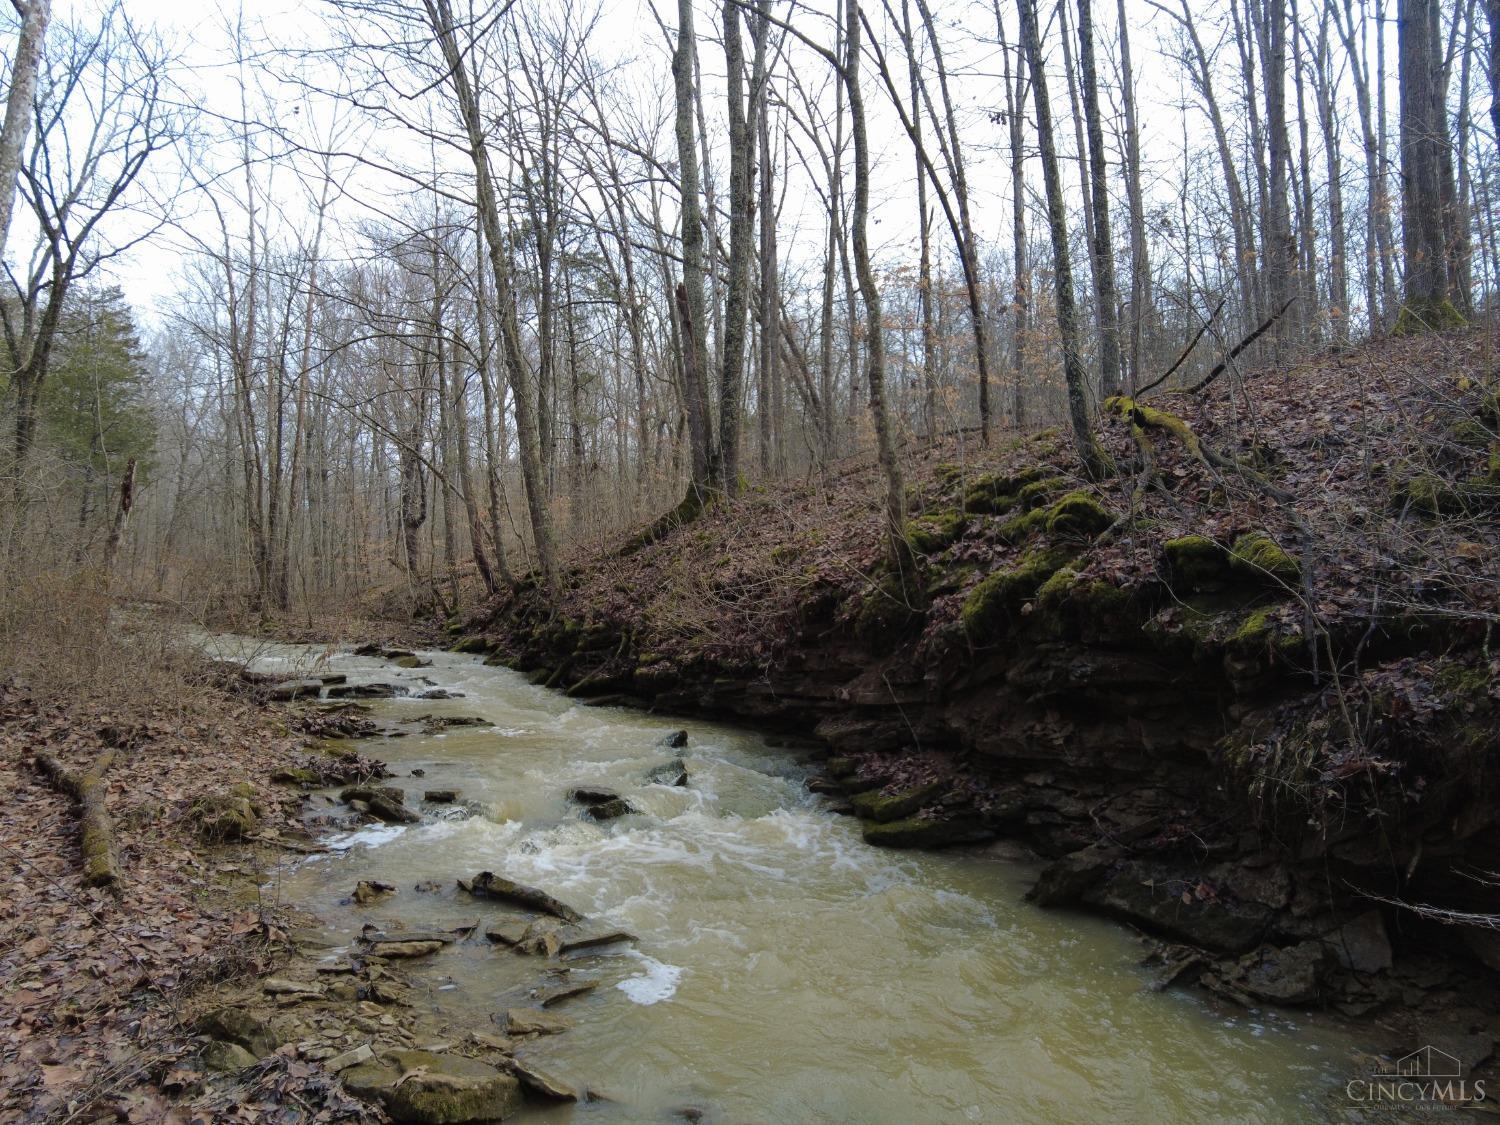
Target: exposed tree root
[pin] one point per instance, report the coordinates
(100, 866)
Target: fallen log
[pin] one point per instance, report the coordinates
(100, 867)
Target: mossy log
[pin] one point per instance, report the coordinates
(100, 866)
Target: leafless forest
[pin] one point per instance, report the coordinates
(445, 291)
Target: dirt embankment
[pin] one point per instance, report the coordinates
(1242, 692)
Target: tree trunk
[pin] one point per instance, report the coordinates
(441, 18)
(897, 548)
(1067, 327)
(18, 108)
(1103, 247)
(694, 340)
(1424, 137)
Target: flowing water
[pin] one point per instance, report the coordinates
(785, 971)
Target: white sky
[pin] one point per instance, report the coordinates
(629, 35)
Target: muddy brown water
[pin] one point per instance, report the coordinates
(785, 971)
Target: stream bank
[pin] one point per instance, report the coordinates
(1241, 695)
(780, 968)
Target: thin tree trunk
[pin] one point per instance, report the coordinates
(898, 549)
(18, 109)
(1067, 326)
(1103, 245)
(440, 16)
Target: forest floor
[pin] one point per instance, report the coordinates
(1379, 467)
(103, 982)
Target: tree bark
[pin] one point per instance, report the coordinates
(18, 108)
(1424, 137)
(440, 16)
(1067, 326)
(1103, 247)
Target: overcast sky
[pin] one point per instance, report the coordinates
(630, 36)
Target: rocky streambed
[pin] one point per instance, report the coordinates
(559, 910)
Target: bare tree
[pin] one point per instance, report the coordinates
(18, 114)
(1062, 268)
(1424, 140)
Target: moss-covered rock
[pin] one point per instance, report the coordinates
(1260, 632)
(885, 611)
(1256, 555)
(1470, 433)
(427, 1088)
(1038, 492)
(927, 832)
(883, 807)
(992, 603)
(1196, 562)
(1078, 514)
(1022, 527)
(221, 817)
(475, 645)
(935, 531)
(995, 493)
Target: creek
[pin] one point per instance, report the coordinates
(784, 970)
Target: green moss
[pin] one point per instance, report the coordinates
(1258, 555)
(948, 474)
(1470, 433)
(1000, 596)
(1421, 316)
(1427, 493)
(475, 645)
(1148, 417)
(998, 492)
(881, 807)
(1018, 529)
(1196, 562)
(935, 531)
(1078, 513)
(1035, 494)
(295, 775)
(885, 612)
(1056, 591)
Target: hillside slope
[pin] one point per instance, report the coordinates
(1242, 692)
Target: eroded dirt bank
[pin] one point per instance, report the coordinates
(1242, 692)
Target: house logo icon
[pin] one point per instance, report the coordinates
(1427, 1062)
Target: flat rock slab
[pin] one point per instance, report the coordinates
(583, 937)
(542, 1084)
(278, 986)
(533, 1021)
(389, 937)
(511, 932)
(366, 691)
(427, 1088)
(489, 885)
(294, 689)
(551, 994)
(406, 948)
